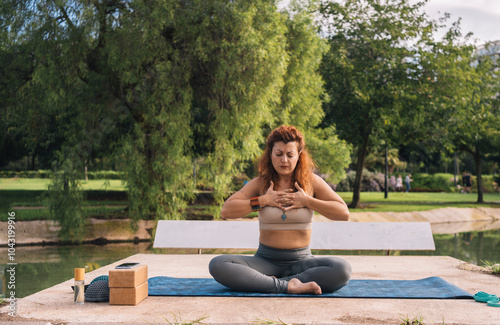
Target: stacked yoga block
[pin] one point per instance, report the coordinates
(128, 286)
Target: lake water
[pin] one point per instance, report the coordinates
(39, 268)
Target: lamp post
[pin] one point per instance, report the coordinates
(386, 194)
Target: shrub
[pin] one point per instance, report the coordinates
(105, 174)
(422, 182)
(441, 182)
(490, 185)
(101, 174)
(26, 174)
(370, 182)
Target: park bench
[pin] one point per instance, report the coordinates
(339, 235)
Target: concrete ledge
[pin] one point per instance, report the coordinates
(55, 305)
(45, 231)
(443, 215)
(443, 221)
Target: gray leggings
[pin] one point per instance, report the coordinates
(256, 273)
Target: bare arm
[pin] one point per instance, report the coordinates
(238, 204)
(327, 202)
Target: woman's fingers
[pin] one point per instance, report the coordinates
(271, 187)
(293, 206)
(281, 198)
(286, 199)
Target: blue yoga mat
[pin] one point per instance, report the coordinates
(428, 288)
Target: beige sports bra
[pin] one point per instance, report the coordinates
(271, 218)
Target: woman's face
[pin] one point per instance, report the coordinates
(284, 157)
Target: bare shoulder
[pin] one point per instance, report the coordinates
(250, 189)
(318, 181)
(321, 188)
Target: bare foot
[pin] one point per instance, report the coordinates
(296, 286)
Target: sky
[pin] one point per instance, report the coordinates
(481, 17)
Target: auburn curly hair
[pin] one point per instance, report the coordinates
(305, 165)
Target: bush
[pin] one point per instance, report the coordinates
(8, 174)
(105, 174)
(440, 182)
(370, 182)
(26, 174)
(102, 174)
(422, 182)
(490, 183)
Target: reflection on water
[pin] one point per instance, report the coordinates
(474, 247)
(39, 268)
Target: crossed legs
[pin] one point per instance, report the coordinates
(305, 274)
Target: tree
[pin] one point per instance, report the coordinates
(462, 109)
(303, 93)
(474, 120)
(253, 65)
(239, 55)
(160, 83)
(374, 75)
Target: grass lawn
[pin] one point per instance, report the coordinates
(43, 183)
(421, 197)
(420, 201)
(28, 192)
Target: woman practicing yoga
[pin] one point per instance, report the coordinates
(286, 193)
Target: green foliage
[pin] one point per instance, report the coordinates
(370, 182)
(66, 201)
(243, 56)
(494, 267)
(422, 182)
(376, 160)
(177, 320)
(430, 183)
(489, 183)
(158, 85)
(303, 94)
(105, 174)
(42, 173)
(26, 174)
(384, 73)
(405, 320)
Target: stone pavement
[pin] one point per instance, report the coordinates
(55, 305)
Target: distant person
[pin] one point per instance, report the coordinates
(408, 179)
(466, 180)
(399, 184)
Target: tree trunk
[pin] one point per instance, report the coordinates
(479, 166)
(359, 174)
(65, 182)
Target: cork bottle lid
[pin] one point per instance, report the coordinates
(79, 274)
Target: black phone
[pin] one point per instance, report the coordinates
(127, 265)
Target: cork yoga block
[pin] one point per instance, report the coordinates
(128, 278)
(128, 296)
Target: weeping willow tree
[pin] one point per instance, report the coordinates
(241, 59)
(157, 84)
(303, 94)
(258, 69)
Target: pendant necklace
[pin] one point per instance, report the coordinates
(283, 216)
